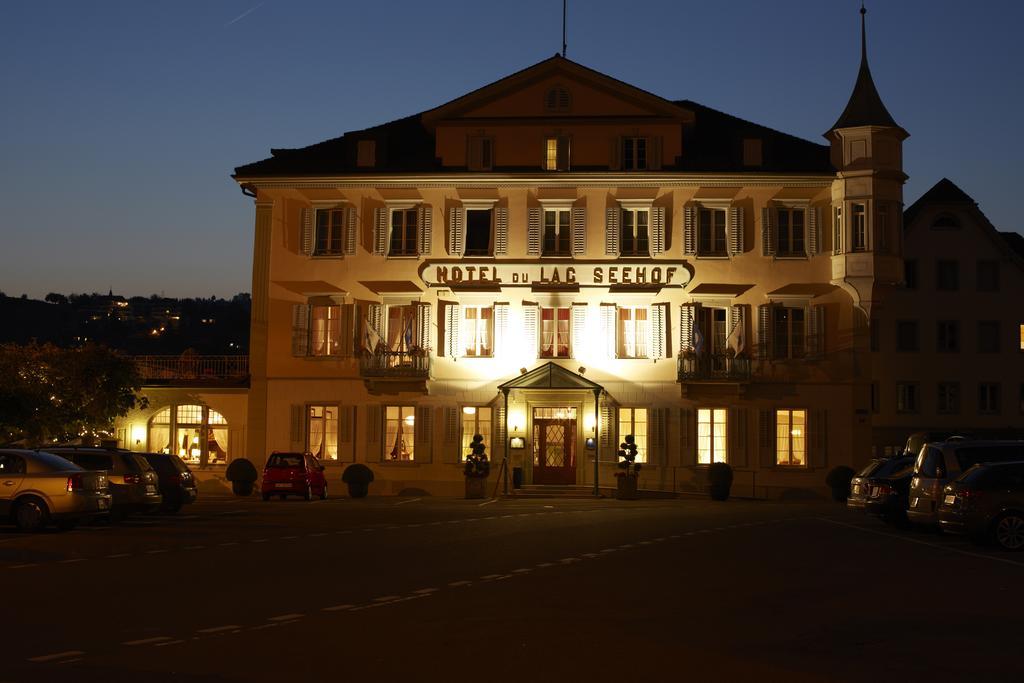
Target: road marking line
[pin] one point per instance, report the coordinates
(170, 642)
(626, 546)
(343, 531)
(386, 598)
(24, 566)
(228, 543)
(319, 533)
(155, 552)
(114, 557)
(659, 539)
(644, 542)
(146, 641)
(286, 617)
(258, 540)
(288, 538)
(261, 627)
(521, 571)
(608, 550)
(931, 545)
(218, 629)
(368, 530)
(56, 655)
(545, 564)
(336, 608)
(72, 561)
(194, 547)
(405, 502)
(456, 584)
(507, 516)
(489, 577)
(549, 507)
(569, 560)
(674, 536)
(591, 555)
(425, 591)
(487, 502)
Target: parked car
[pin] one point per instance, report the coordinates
(939, 463)
(882, 488)
(37, 488)
(176, 481)
(918, 439)
(293, 474)
(987, 502)
(133, 483)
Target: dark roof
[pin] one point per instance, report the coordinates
(550, 376)
(865, 107)
(943, 192)
(1015, 241)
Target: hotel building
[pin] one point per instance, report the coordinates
(558, 259)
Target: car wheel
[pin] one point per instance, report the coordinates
(170, 508)
(308, 495)
(323, 492)
(31, 514)
(1009, 531)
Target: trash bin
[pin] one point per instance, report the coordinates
(517, 477)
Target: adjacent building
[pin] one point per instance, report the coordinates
(559, 259)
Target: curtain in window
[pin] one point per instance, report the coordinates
(160, 438)
(547, 332)
(401, 323)
(217, 445)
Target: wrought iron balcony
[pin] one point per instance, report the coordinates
(399, 364)
(713, 368)
(190, 368)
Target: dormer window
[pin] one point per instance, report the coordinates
(634, 154)
(366, 153)
(946, 221)
(556, 153)
(480, 153)
(557, 99)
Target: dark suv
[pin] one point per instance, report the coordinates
(133, 483)
(177, 485)
(987, 502)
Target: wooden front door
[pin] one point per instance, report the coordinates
(554, 450)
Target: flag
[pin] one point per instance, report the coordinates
(698, 338)
(372, 336)
(736, 340)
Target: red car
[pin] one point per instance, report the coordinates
(293, 474)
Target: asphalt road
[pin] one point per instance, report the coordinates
(388, 589)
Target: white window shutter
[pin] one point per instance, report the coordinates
(452, 339)
(351, 230)
(689, 230)
(307, 231)
(423, 328)
(656, 441)
(450, 421)
(501, 347)
(374, 426)
(579, 231)
(813, 225)
(530, 330)
(608, 328)
(654, 153)
(767, 233)
(533, 232)
(611, 231)
(426, 222)
(687, 437)
(380, 231)
(687, 315)
(423, 433)
(501, 231)
(764, 331)
(348, 330)
(579, 328)
(375, 319)
(607, 436)
(347, 433)
(300, 330)
(456, 230)
(659, 331)
(657, 230)
(736, 215)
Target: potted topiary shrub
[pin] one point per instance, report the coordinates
(358, 477)
(838, 479)
(626, 479)
(719, 480)
(243, 475)
(477, 468)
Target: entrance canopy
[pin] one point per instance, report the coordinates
(550, 376)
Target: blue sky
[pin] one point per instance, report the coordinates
(120, 122)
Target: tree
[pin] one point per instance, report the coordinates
(51, 394)
(55, 298)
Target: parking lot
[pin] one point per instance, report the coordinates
(550, 589)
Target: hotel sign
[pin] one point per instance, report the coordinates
(469, 273)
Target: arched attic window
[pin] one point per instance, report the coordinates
(557, 99)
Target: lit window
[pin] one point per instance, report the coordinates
(556, 153)
(634, 154)
(400, 433)
(557, 232)
(554, 333)
(478, 330)
(790, 232)
(403, 232)
(791, 437)
(1022, 337)
(634, 232)
(711, 439)
(197, 434)
(634, 421)
(859, 238)
(322, 432)
(475, 420)
(632, 332)
(401, 329)
(711, 232)
(325, 332)
(329, 224)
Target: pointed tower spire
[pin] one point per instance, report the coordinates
(865, 107)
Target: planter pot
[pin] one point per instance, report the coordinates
(626, 487)
(242, 488)
(358, 489)
(476, 488)
(719, 492)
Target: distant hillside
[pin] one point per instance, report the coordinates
(136, 325)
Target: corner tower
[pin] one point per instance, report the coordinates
(867, 194)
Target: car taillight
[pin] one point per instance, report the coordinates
(882, 490)
(75, 483)
(132, 479)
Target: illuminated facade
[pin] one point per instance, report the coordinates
(712, 277)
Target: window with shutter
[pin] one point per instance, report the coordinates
(380, 231)
(579, 329)
(608, 328)
(687, 316)
(657, 230)
(306, 217)
(400, 428)
(476, 420)
(579, 231)
(611, 231)
(764, 331)
(791, 438)
(607, 435)
(423, 326)
(403, 238)
(321, 431)
(635, 232)
(501, 231)
(450, 452)
(423, 433)
(533, 232)
(813, 225)
(501, 331)
(325, 333)
(426, 220)
(557, 238)
(556, 153)
(712, 435)
(659, 331)
(452, 339)
(456, 231)
(300, 330)
(736, 242)
(634, 421)
(347, 433)
(530, 315)
(328, 231)
(712, 232)
(767, 233)
(689, 231)
(790, 231)
(351, 234)
(477, 331)
(634, 154)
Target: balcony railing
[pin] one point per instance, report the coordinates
(714, 367)
(389, 363)
(192, 368)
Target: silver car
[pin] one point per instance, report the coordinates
(940, 462)
(37, 488)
